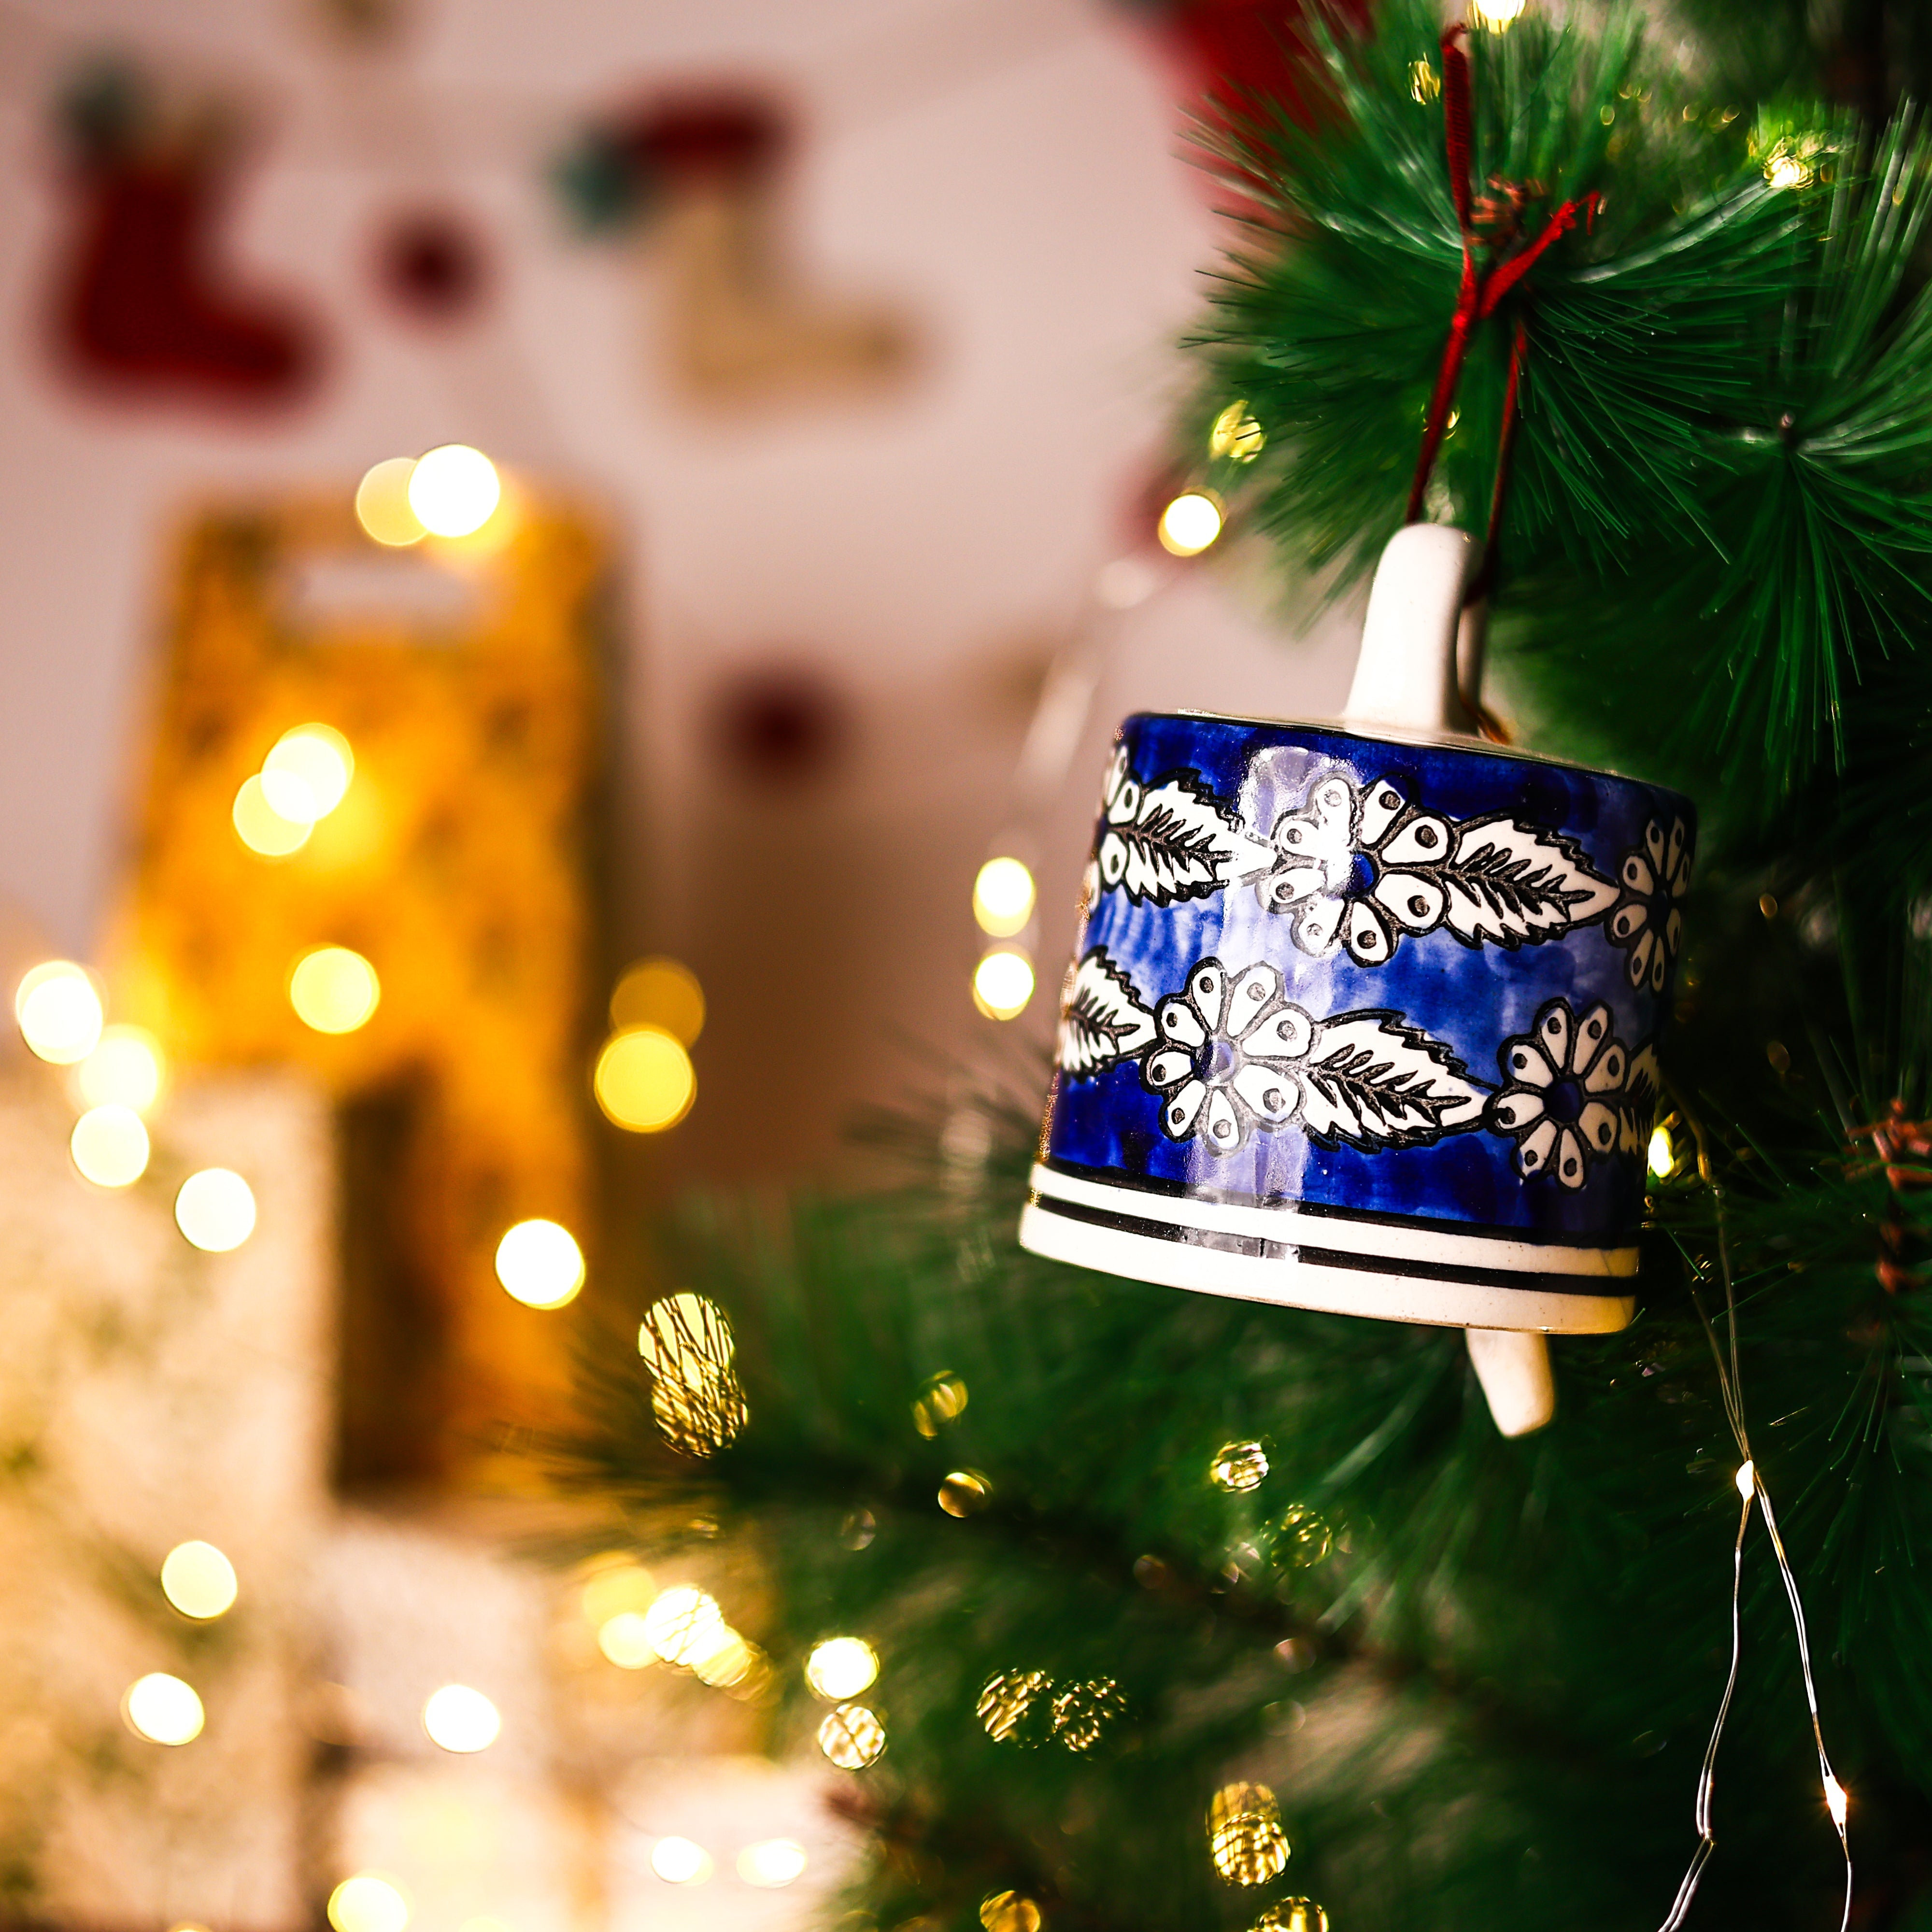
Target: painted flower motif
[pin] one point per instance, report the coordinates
(1360, 869)
(1222, 1059)
(1566, 1093)
(1648, 921)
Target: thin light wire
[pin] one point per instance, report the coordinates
(1730, 1383)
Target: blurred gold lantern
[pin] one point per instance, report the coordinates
(364, 851)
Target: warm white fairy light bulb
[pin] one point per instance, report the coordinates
(1002, 897)
(1003, 983)
(1189, 523)
(1838, 1800)
(1747, 1479)
(455, 490)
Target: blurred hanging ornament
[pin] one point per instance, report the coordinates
(144, 306)
(1244, 1834)
(852, 1737)
(1082, 1712)
(1009, 1701)
(1238, 1466)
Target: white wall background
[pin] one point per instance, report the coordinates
(1006, 171)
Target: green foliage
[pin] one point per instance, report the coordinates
(1726, 433)
(1478, 1675)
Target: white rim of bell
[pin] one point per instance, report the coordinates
(1299, 1260)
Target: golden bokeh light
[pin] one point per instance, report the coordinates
(163, 1709)
(852, 1737)
(684, 1624)
(1189, 524)
(460, 1719)
(1662, 1156)
(306, 774)
(368, 1902)
(1003, 983)
(615, 1584)
(661, 993)
(127, 1068)
(1002, 897)
(382, 503)
(965, 1492)
(943, 1399)
(1008, 1911)
(1235, 435)
(1244, 1834)
(110, 1146)
(625, 1639)
(1496, 15)
(680, 1861)
(644, 1080)
(455, 490)
(1302, 1537)
(1008, 1698)
(540, 1264)
(841, 1667)
(1081, 1712)
(687, 1345)
(1293, 1914)
(726, 1661)
(771, 1862)
(1238, 1466)
(199, 1580)
(334, 990)
(215, 1210)
(58, 1008)
(262, 828)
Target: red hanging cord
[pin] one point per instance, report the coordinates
(1480, 291)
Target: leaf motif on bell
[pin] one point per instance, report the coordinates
(1371, 1081)
(1515, 885)
(1102, 1019)
(1171, 839)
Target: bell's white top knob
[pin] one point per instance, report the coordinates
(1405, 676)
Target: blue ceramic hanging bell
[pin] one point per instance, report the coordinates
(1362, 1017)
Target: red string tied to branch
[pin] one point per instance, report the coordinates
(1482, 290)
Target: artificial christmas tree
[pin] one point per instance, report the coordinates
(1191, 1612)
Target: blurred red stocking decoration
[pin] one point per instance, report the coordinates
(142, 304)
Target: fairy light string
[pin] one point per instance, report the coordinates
(1751, 1488)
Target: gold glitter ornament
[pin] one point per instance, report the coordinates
(1008, 1912)
(1301, 1537)
(1008, 1699)
(1244, 1834)
(965, 1492)
(1238, 1466)
(852, 1738)
(696, 1397)
(942, 1400)
(1082, 1712)
(1293, 1914)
